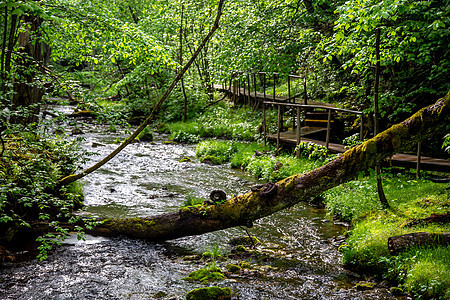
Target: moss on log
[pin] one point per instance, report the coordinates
(244, 209)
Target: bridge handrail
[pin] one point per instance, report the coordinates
(315, 106)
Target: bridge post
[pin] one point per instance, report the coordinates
(249, 91)
(279, 126)
(264, 109)
(419, 150)
(254, 85)
(328, 128)
(298, 131)
(361, 128)
(289, 96)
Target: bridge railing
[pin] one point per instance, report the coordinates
(299, 107)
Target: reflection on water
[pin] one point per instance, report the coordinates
(147, 179)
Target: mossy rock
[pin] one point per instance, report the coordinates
(206, 275)
(209, 293)
(185, 159)
(146, 135)
(244, 240)
(245, 265)
(240, 248)
(396, 291)
(213, 160)
(364, 286)
(233, 268)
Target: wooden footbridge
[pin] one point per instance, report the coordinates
(309, 118)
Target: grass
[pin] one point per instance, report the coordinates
(423, 272)
(220, 121)
(242, 155)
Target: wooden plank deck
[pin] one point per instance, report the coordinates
(400, 159)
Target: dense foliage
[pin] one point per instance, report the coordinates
(117, 57)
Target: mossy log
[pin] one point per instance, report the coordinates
(399, 243)
(242, 210)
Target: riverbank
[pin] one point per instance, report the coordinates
(419, 271)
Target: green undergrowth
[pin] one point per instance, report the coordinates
(423, 272)
(30, 167)
(264, 164)
(220, 121)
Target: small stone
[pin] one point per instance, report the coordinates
(233, 268)
(160, 294)
(192, 257)
(95, 145)
(77, 131)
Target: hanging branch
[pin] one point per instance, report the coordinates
(71, 178)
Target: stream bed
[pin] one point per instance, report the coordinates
(147, 179)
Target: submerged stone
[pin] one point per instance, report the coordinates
(233, 268)
(209, 293)
(244, 240)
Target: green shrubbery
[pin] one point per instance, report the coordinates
(29, 170)
(220, 121)
(265, 165)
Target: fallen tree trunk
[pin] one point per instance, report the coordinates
(399, 243)
(242, 210)
(433, 218)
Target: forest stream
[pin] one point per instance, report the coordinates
(145, 179)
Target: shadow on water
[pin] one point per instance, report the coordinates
(147, 179)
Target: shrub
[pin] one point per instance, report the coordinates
(312, 151)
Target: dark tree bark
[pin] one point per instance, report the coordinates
(242, 210)
(376, 118)
(27, 94)
(399, 243)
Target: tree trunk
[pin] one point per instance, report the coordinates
(27, 94)
(376, 118)
(242, 210)
(399, 243)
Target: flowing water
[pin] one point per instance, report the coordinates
(147, 179)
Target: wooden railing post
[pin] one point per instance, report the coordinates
(249, 91)
(279, 126)
(298, 131)
(274, 86)
(243, 92)
(254, 85)
(361, 128)
(419, 151)
(264, 109)
(304, 87)
(328, 128)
